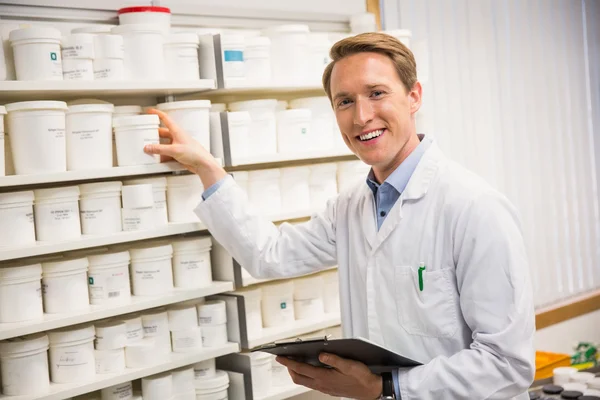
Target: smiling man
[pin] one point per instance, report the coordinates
(431, 259)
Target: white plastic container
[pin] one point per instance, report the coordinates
(279, 374)
(108, 278)
(295, 191)
(293, 131)
(159, 194)
(258, 60)
(151, 270)
(77, 69)
(184, 193)
(252, 299)
(21, 293)
(108, 63)
(241, 178)
(319, 46)
(323, 184)
(110, 335)
(135, 329)
(205, 369)
(308, 298)
(331, 292)
(187, 340)
(264, 191)
(212, 317)
(157, 387)
(562, 375)
(277, 304)
(156, 326)
(132, 133)
(403, 35)
(262, 377)
(37, 132)
(122, 391)
(110, 361)
(24, 365)
(127, 111)
(57, 214)
(289, 53)
(193, 116)
(322, 121)
(362, 23)
(181, 57)
(143, 48)
(351, 173)
(594, 383)
(100, 208)
(263, 128)
(37, 54)
(239, 124)
(78, 46)
(191, 263)
(582, 377)
(182, 317)
(89, 136)
(16, 212)
(157, 16)
(65, 286)
(183, 383)
(212, 388)
(145, 352)
(233, 49)
(72, 354)
(138, 207)
(2, 144)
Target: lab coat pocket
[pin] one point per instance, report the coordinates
(429, 312)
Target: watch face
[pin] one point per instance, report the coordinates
(385, 397)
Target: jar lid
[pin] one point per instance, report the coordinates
(71, 334)
(109, 259)
(135, 120)
(21, 272)
(137, 9)
(16, 197)
(56, 193)
(36, 105)
(180, 105)
(161, 311)
(209, 307)
(571, 394)
(157, 183)
(268, 104)
(100, 187)
(65, 265)
(35, 32)
(24, 344)
(136, 28)
(218, 380)
(89, 108)
(127, 110)
(183, 38)
(115, 326)
(78, 37)
(151, 252)
(199, 244)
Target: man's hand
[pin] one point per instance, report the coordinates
(347, 378)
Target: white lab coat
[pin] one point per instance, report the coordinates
(472, 326)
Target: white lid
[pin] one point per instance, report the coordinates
(312, 103)
(218, 107)
(24, 344)
(2, 110)
(151, 252)
(100, 187)
(323, 168)
(188, 180)
(65, 265)
(300, 172)
(110, 327)
(138, 196)
(268, 104)
(564, 371)
(364, 18)
(296, 113)
(575, 386)
(86, 101)
(256, 41)
(264, 174)
(183, 37)
(98, 29)
(35, 32)
(218, 380)
(195, 244)
(136, 120)
(159, 183)
(162, 375)
(16, 197)
(180, 105)
(56, 193)
(127, 110)
(136, 28)
(399, 33)
(582, 377)
(36, 105)
(71, 334)
(157, 312)
(109, 259)
(90, 108)
(282, 105)
(78, 37)
(292, 28)
(21, 272)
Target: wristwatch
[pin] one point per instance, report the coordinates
(388, 387)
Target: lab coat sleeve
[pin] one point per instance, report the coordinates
(262, 248)
(496, 302)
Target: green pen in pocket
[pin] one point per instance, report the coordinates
(421, 269)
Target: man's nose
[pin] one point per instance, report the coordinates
(363, 112)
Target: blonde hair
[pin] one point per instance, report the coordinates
(374, 42)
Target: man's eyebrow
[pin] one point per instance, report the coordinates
(341, 94)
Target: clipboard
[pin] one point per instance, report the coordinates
(357, 349)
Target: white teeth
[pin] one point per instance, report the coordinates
(371, 135)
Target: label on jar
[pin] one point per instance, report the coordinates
(192, 265)
(55, 64)
(160, 204)
(147, 274)
(233, 66)
(187, 342)
(63, 214)
(90, 215)
(78, 51)
(29, 217)
(77, 74)
(109, 363)
(200, 373)
(72, 358)
(135, 334)
(205, 320)
(85, 134)
(108, 285)
(59, 133)
(124, 391)
(138, 219)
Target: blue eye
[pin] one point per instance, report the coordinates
(344, 102)
(377, 93)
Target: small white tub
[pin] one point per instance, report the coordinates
(319, 46)
(295, 190)
(239, 124)
(100, 208)
(233, 49)
(331, 292)
(72, 354)
(108, 64)
(279, 374)
(182, 317)
(193, 116)
(562, 375)
(181, 57)
(24, 365)
(89, 136)
(108, 278)
(258, 60)
(122, 391)
(262, 376)
(138, 207)
(184, 193)
(135, 329)
(323, 184)
(78, 46)
(65, 286)
(16, 212)
(132, 133)
(157, 387)
(145, 352)
(37, 132)
(322, 121)
(254, 324)
(191, 262)
(151, 270)
(212, 388)
(294, 131)
(205, 369)
(110, 335)
(183, 383)
(187, 340)
(277, 304)
(110, 361)
(57, 214)
(157, 16)
(37, 54)
(21, 293)
(76, 69)
(263, 130)
(212, 317)
(264, 191)
(308, 298)
(143, 49)
(289, 53)
(159, 193)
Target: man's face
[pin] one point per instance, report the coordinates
(373, 109)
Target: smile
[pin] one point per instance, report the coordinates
(371, 135)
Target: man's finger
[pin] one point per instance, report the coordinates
(301, 368)
(303, 380)
(165, 119)
(162, 149)
(341, 364)
(164, 133)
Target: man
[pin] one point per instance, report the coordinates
(431, 259)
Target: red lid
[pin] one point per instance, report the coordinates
(127, 10)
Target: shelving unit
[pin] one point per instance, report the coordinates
(284, 392)
(283, 160)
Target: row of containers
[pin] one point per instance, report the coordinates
(53, 136)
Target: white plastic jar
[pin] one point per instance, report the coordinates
(57, 214)
(213, 387)
(261, 372)
(258, 60)
(279, 374)
(122, 391)
(295, 191)
(277, 304)
(191, 262)
(252, 299)
(159, 194)
(351, 173)
(182, 317)
(21, 293)
(193, 116)
(72, 354)
(108, 278)
(263, 128)
(89, 136)
(183, 383)
(322, 121)
(132, 133)
(239, 124)
(144, 58)
(37, 130)
(331, 292)
(158, 16)
(78, 57)
(233, 48)
(308, 298)
(241, 178)
(187, 340)
(108, 63)
(100, 208)
(293, 131)
(323, 184)
(65, 286)
(151, 270)
(24, 365)
(289, 53)
(157, 387)
(181, 57)
(16, 212)
(2, 143)
(135, 329)
(264, 191)
(138, 207)
(184, 193)
(118, 112)
(156, 326)
(37, 54)
(146, 352)
(111, 338)
(212, 318)
(319, 46)
(206, 368)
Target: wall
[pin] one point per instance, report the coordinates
(562, 337)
